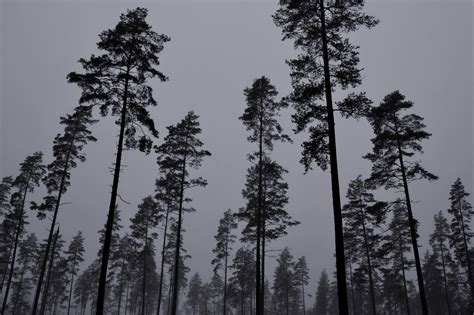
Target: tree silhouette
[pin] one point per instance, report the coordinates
(398, 138)
(225, 239)
(75, 256)
(322, 294)
(67, 150)
(302, 278)
(461, 235)
(31, 171)
(116, 81)
(180, 152)
(7, 228)
(242, 280)
(260, 118)
(326, 60)
(194, 293)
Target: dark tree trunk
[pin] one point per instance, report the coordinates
(405, 290)
(336, 196)
(160, 294)
(413, 232)
(144, 270)
(174, 308)
(258, 289)
(15, 246)
(225, 274)
(369, 265)
(113, 199)
(50, 235)
(48, 278)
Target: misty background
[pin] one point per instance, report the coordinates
(422, 48)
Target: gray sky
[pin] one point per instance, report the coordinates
(422, 48)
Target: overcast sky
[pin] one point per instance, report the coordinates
(422, 48)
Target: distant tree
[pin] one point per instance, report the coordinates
(85, 288)
(397, 139)
(22, 285)
(285, 289)
(167, 187)
(216, 287)
(362, 215)
(5, 194)
(260, 118)
(31, 171)
(394, 250)
(205, 299)
(326, 60)
(75, 256)
(67, 150)
(194, 293)
(435, 294)
(7, 227)
(461, 234)
(322, 295)
(225, 239)
(302, 278)
(125, 260)
(242, 280)
(181, 151)
(441, 256)
(145, 219)
(117, 80)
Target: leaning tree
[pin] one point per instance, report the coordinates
(326, 61)
(116, 81)
(397, 139)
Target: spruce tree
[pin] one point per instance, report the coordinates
(322, 295)
(31, 172)
(260, 118)
(242, 281)
(225, 239)
(194, 293)
(397, 139)
(67, 151)
(460, 238)
(302, 278)
(326, 61)
(285, 286)
(116, 81)
(180, 152)
(75, 256)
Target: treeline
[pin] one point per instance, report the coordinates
(144, 269)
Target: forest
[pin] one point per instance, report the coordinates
(381, 263)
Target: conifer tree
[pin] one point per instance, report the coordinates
(242, 281)
(260, 118)
(285, 287)
(435, 294)
(31, 171)
(22, 285)
(326, 60)
(322, 295)
(180, 152)
(362, 214)
(7, 227)
(225, 239)
(302, 278)
(125, 259)
(5, 194)
(460, 238)
(145, 219)
(67, 150)
(397, 139)
(75, 256)
(116, 81)
(194, 293)
(441, 253)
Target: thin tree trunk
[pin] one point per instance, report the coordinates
(336, 197)
(112, 205)
(72, 281)
(162, 262)
(20, 287)
(352, 287)
(414, 236)
(120, 286)
(369, 265)
(144, 268)
(258, 289)
(302, 291)
(15, 246)
(405, 290)
(263, 255)
(225, 273)
(468, 258)
(51, 231)
(48, 278)
(448, 304)
(126, 296)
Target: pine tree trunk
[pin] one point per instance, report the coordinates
(446, 290)
(174, 308)
(112, 205)
(369, 265)
(225, 274)
(144, 270)
(120, 286)
(72, 281)
(352, 287)
(414, 236)
(162, 263)
(263, 256)
(405, 290)
(468, 258)
(51, 231)
(302, 291)
(258, 292)
(15, 246)
(48, 278)
(336, 197)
